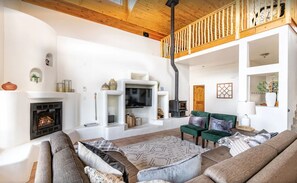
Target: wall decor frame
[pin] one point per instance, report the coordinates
(224, 90)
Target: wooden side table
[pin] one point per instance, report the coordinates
(244, 132)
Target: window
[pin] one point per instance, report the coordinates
(119, 2)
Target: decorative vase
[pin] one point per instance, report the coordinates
(270, 99)
(105, 87)
(9, 86)
(112, 84)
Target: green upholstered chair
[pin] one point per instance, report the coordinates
(193, 130)
(215, 135)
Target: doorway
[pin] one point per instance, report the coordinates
(198, 97)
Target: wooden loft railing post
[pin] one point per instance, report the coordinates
(237, 19)
(189, 39)
(288, 11)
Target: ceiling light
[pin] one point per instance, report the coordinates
(264, 55)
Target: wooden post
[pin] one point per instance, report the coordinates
(232, 20)
(288, 11)
(216, 35)
(237, 22)
(189, 37)
(223, 23)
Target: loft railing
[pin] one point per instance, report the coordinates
(233, 21)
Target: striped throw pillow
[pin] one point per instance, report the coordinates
(238, 147)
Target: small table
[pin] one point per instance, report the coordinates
(244, 132)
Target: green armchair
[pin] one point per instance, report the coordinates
(193, 130)
(215, 135)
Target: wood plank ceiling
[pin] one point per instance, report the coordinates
(135, 16)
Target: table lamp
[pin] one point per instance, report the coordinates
(246, 108)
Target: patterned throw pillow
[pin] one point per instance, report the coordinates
(220, 125)
(91, 159)
(109, 160)
(197, 121)
(259, 139)
(97, 176)
(228, 141)
(238, 147)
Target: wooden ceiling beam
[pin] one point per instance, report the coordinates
(82, 12)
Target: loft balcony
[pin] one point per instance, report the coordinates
(236, 20)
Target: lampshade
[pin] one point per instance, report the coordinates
(246, 108)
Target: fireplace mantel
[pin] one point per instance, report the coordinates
(45, 95)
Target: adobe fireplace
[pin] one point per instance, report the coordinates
(45, 118)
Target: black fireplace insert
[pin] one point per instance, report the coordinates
(45, 118)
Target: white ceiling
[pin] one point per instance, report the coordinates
(219, 57)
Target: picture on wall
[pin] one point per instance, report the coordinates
(225, 90)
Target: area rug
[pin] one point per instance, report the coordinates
(161, 151)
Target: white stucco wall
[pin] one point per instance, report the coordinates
(90, 54)
(27, 41)
(292, 75)
(1, 42)
(209, 77)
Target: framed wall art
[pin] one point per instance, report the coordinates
(225, 90)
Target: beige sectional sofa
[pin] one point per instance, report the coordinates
(273, 161)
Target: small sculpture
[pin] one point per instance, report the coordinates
(105, 87)
(112, 84)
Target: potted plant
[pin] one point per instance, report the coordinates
(270, 89)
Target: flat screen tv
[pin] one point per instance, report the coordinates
(138, 97)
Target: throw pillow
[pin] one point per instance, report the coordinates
(238, 147)
(228, 141)
(197, 121)
(220, 125)
(96, 176)
(109, 159)
(91, 159)
(259, 139)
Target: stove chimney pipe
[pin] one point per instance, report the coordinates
(172, 4)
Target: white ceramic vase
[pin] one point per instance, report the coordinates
(270, 99)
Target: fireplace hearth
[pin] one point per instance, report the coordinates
(45, 118)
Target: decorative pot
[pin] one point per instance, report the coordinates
(105, 87)
(112, 84)
(270, 99)
(9, 86)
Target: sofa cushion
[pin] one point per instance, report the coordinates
(281, 169)
(201, 179)
(59, 140)
(44, 165)
(282, 140)
(67, 167)
(243, 166)
(177, 172)
(95, 161)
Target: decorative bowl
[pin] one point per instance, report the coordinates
(9, 86)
